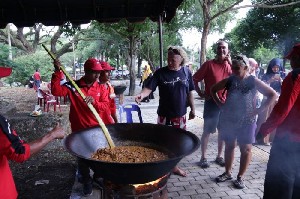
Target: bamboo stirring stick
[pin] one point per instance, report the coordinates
(102, 125)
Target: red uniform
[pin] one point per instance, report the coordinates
(112, 105)
(81, 116)
(286, 112)
(11, 148)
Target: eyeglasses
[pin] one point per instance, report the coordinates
(238, 57)
(175, 51)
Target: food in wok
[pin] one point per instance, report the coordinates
(129, 154)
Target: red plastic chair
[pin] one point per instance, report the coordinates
(50, 100)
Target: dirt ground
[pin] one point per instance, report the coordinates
(49, 174)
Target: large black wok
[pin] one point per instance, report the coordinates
(176, 142)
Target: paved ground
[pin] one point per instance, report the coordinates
(200, 183)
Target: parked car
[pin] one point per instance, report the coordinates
(120, 74)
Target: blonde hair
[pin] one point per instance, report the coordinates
(181, 52)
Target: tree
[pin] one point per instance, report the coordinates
(216, 13)
(131, 35)
(276, 29)
(263, 55)
(24, 66)
(27, 40)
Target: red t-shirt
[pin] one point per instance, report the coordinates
(286, 112)
(7, 152)
(212, 72)
(37, 76)
(81, 117)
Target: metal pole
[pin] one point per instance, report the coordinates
(9, 41)
(74, 61)
(161, 60)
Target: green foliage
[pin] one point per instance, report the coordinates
(115, 36)
(70, 29)
(189, 15)
(4, 51)
(272, 28)
(219, 23)
(27, 64)
(264, 55)
(211, 53)
(4, 54)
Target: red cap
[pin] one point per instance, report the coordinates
(4, 71)
(295, 51)
(106, 66)
(92, 64)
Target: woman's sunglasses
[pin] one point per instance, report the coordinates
(175, 51)
(237, 57)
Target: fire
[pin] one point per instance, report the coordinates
(153, 183)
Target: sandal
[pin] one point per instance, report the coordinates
(239, 183)
(224, 177)
(203, 163)
(220, 161)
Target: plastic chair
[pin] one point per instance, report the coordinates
(50, 99)
(128, 109)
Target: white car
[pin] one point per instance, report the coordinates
(120, 74)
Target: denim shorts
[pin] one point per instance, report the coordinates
(244, 134)
(211, 115)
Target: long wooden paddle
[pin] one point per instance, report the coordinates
(92, 108)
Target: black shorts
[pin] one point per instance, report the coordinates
(211, 116)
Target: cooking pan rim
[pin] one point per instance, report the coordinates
(189, 133)
(138, 163)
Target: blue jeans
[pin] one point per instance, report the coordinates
(283, 172)
(37, 83)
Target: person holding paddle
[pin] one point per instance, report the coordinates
(81, 117)
(13, 148)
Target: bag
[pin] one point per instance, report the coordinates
(186, 73)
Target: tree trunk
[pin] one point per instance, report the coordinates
(25, 43)
(132, 58)
(205, 33)
(139, 66)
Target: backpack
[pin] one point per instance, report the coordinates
(186, 73)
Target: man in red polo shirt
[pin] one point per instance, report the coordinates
(212, 71)
(13, 148)
(80, 116)
(283, 172)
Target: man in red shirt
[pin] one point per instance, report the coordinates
(211, 72)
(13, 148)
(283, 172)
(37, 79)
(80, 116)
(104, 79)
